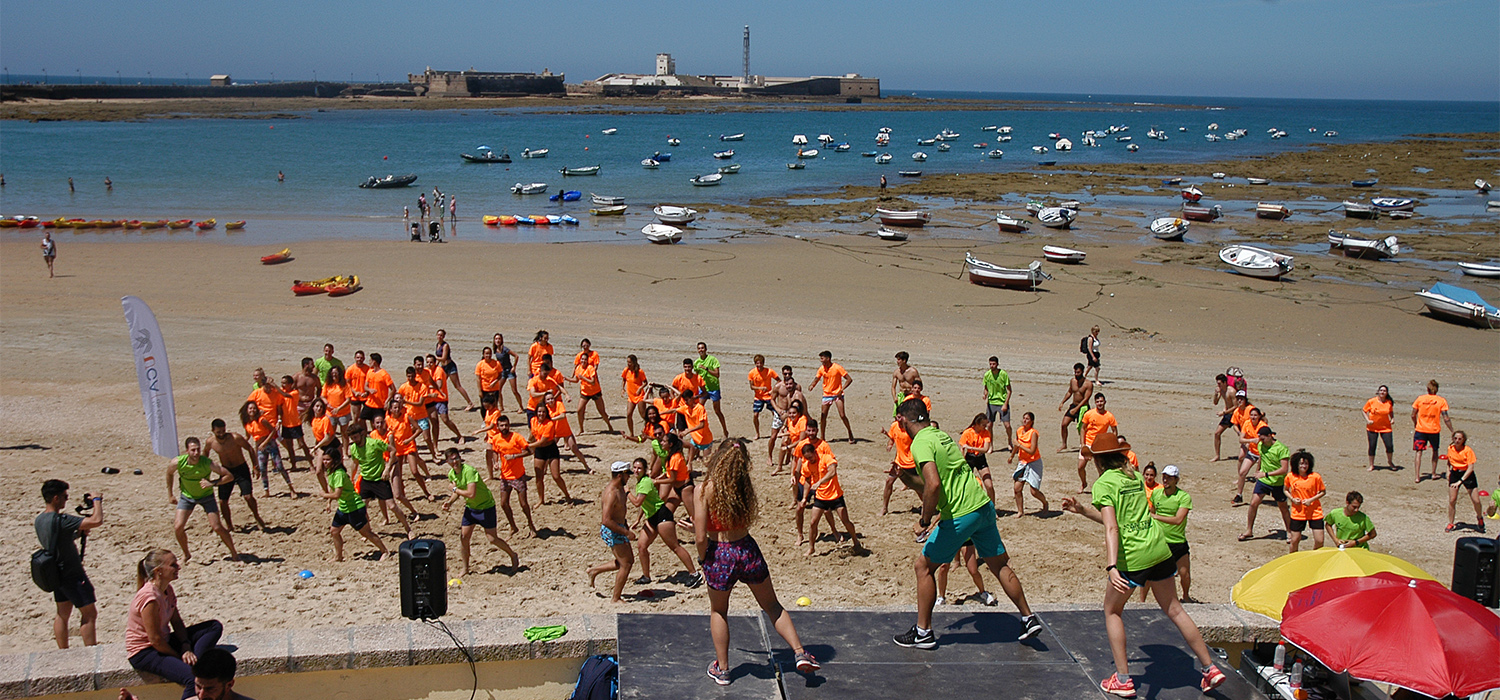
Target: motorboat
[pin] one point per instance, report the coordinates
(1169, 228)
(1211, 137)
(1459, 305)
(661, 157)
(807, 153)
(1004, 130)
(669, 214)
(926, 142)
(1054, 136)
(650, 163)
(661, 233)
(1275, 212)
(798, 165)
(886, 234)
(1389, 204)
(1073, 204)
(1132, 148)
(600, 200)
(825, 139)
(1192, 194)
(708, 180)
(1368, 249)
(944, 148)
(1063, 145)
(1066, 256)
(896, 217)
(990, 275)
(1056, 217)
(587, 170)
(869, 154)
(1010, 224)
(997, 154)
(1196, 213)
(841, 148)
(1330, 134)
(277, 258)
(1038, 149)
(724, 155)
(1122, 139)
(882, 140)
(991, 127)
(981, 145)
(1482, 186)
(1256, 262)
(949, 134)
(610, 132)
(919, 156)
(1258, 180)
(613, 210)
(1034, 207)
(387, 182)
(1486, 270)
(799, 140)
(529, 153)
(882, 159)
(1364, 183)
(533, 188)
(1213, 127)
(1002, 139)
(566, 196)
(1360, 210)
(729, 169)
(485, 155)
(909, 173)
(729, 137)
(673, 141)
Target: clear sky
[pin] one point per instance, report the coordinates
(1377, 49)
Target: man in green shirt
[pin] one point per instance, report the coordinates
(1348, 526)
(371, 454)
(707, 367)
(1170, 507)
(1275, 462)
(997, 392)
(326, 363)
(192, 472)
(351, 508)
(965, 514)
(479, 507)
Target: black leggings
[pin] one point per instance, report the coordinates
(201, 637)
(1374, 436)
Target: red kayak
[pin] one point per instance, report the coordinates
(276, 258)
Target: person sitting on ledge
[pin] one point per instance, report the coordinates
(213, 677)
(156, 640)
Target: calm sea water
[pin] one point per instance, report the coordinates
(226, 168)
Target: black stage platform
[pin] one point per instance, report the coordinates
(664, 657)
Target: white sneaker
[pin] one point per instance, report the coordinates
(941, 601)
(988, 598)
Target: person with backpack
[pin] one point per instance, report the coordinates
(71, 588)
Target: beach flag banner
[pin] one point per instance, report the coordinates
(150, 352)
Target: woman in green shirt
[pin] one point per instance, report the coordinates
(351, 508)
(1138, 556)
(658, 523)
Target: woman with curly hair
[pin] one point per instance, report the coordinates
(725, 507)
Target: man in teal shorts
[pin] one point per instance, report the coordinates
(953, 492)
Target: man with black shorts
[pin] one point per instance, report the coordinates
(1275, 463)
(370, 454)
(55, 530)
(1429, 413)
(351, 508)
(378, 387)
(479, 507)
(823, 493)
(234, 452)
(1223, 395)
(1077, 399)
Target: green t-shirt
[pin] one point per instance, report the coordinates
(1349, 529)
(701, 366)
(653, 502)
(1270, 461)
(962, 493)
(1143, 544)
(1168, 506)
(324, 366)
(190, 476)
(997, 387)
(370, 455)
(465, 475)
(340, 483)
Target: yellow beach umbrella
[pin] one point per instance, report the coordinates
(1264, 590)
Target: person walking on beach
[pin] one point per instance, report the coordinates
(1378, 411)
(1349, 526)
(1170, 507)
(1089, 346)
(1305, 491)
(351, 508)
(723, 512)
(586, 373)
(1027, 455)
(1223, 395)
(901, 380)
(1429, 414)
(952, 492)
(707, 368)
(763, 384)
(1249, 427)
(235, 453)
(507, 359)
(658, 524)
(1080, 388)
(1137, 555)
(1461, 473)
(479, 507)
(193, 472)
(835, 382)
(444, 353)
(156, 639)
(55, 531)
(1094, 422)
(49, 252)
(1275, 462)
(997, 391)
(616, 534)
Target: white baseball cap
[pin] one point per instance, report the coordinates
(618, 467)
(1170, 470)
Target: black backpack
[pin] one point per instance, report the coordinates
(599, 679)
(46, 567)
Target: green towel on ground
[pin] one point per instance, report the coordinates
(545, 633)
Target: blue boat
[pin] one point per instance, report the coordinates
(1364, 183)
(569, 220)
(568, 196)
(661, 157)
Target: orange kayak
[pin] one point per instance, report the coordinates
(274, 258)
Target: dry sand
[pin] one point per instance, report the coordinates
(1313, 349)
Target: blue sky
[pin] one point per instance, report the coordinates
(1377, 49)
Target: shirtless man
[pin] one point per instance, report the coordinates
(782, 397)
(1225, 396)
(309, 387)
(902, 377)
(1076, 400)
(615, 531)
(235, 454)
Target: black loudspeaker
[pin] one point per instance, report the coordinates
(424, 579)
(1475, 572)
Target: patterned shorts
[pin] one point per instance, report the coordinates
(730, 562)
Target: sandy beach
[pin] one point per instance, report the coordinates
(1313, 348)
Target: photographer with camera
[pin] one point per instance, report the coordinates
(70, 587)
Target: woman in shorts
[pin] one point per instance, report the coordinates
(546, 457)
(339, 398)
(1304, 495)
(1461, 474)
(724, 510)
(975, 441)
(658, 524)
(633, 385)
(1378, 411)
(443, 353)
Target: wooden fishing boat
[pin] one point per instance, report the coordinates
(1459, 305)
(674, 215)
(886, 234)
(1360, 210)
(1009, 224)
(277, 258)
(1365, 248)
(344, 287)
(1056, 217)
(1486, 270)
(1275, 212)
(587, 170)
(1059, 254)
(1196, 213)
(616, 210)
(233, 225)
(661, 233)
(896, 217)
(1169, 228)
(1256, 262)
(207, 224)
(988, 275)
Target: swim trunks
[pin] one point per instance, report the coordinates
(612, 538)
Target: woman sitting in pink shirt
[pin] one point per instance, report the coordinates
(156, 641)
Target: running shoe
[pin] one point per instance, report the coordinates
(940, 601)
(1237, 500)
(806, 663)
(1449, 528)
(715, 673)
(1212, 678)
(1114, 686)
(643, 580)
(988, 598)
(696, 580)
(912, 640)
(1031, 627)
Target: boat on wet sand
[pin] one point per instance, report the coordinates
(1487, 270)
(1256, 262)
(886, 234)
(990, 275)
(661, 233)
(1197, 213)
(896, 217)
(1365, 248)
(1056, 217)
(1275, 212)
(1360, 210)
(1459, 305)
(674, 215)
(1169, 228)
(1059, 254)
(1009, 224)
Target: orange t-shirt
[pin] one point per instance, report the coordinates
(903, 446)
(403, 434)
(1379, 415)
(1026, 445)
(258, 430)
(1304, 488)
(761, 381)
(437, 386)
(813, 471)
(667, 408)
(833, 379)
(688, 383)
(543, 433)
(539, 384)
(1095, 422)
(338, 399)
(1240, 414)
(587, 374)
(795, 427)
(354, 378)
(1459, 461)
(534, 355)
(378, 385)
(488, 372)
(635, 384)
(415, 396)
(1430, 409)
(289, 414)
(974, 440)
(321, 427)
(697, 415)
(1250, 430)
(677, 466)
(511, 468)
(268, 403)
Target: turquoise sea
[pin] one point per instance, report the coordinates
(226, 168)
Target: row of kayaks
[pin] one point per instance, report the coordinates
(332, 286)
(33, 222)
(538, 220)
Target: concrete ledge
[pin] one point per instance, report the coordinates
(407, 643)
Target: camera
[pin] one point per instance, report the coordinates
(87, 507)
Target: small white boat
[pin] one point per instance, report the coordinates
(661, 233)
(919, 156)
(944, 148)
(1059, 254)
(1213, 127)
(1004, 130)
(1452, 303)
(909, 173)
(732, 137)
(799, 140)
(1211, 137)
(1056, 217)
(538, 153)
(997, 154)
(1330, 134)
(825, 139)
(798, 165)
(1484, 187)
(1004, 138)
(605, 200)
(1073, 204)
(1389, 204)
(896, 217)
(989, 275)
(708, 180)
(1368, 249)
(1218, 176)
(724, 155)
(589, 170)
(882, 159)
(1122, 139)
(842, 148)
(673, 141)
(674, 215)
(1486, 270)
(1256, 262)
(1132, 148)
(729, 169)
(886, 234)
(1010, 225)
(1169, 228)
(807, 153)
(1401, 214)
(1360, 210)
(650, 164)
(618, 210)
(1039, 149)
(609, 132)
(1258, 180)
(1275, 212)
(991, 127)
(1063, 145)
(926, 142)
(533, 188)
